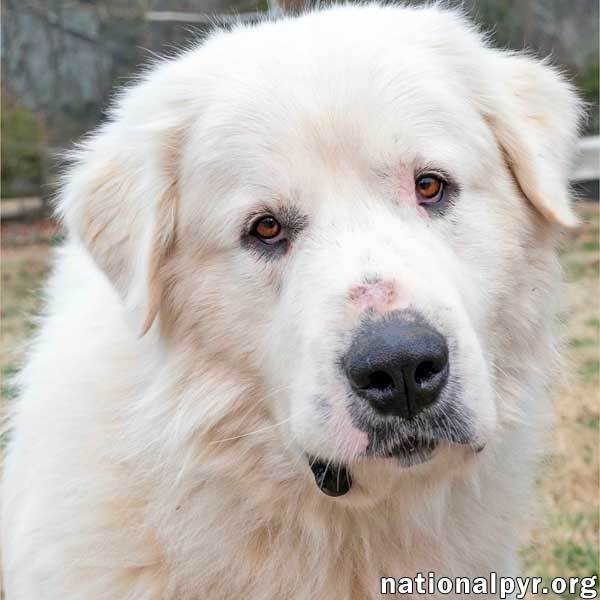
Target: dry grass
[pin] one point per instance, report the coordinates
(23, 269)
(564, 540)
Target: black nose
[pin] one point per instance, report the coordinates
(398, 363)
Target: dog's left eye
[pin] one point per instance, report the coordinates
(429, 188)
(267, 229)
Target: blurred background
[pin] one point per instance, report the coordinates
(63, 59)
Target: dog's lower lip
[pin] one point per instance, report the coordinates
(331, 479)
(412, 446)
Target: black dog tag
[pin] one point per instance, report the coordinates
(333, 480)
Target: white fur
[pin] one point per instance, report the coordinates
(172, 464)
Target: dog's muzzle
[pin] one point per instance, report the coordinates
(398, 369)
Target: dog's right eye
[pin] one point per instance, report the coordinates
(429, 188)
(267, 229)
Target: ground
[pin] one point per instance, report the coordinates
(564, 538)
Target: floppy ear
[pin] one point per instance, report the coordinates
(120, 199)
(534, 114)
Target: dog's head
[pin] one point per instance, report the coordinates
(354, 208)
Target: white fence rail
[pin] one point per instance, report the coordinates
(587, 161)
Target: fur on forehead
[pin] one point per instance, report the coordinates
(366, 104)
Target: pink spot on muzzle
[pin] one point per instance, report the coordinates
(379, 296)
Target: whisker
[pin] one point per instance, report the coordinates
(262, 429)
(266, 427)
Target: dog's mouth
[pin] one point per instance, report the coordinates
(408, 444)
(410, 450)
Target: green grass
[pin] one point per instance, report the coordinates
(7, 388)
(8, 392)
(592, 422)
(582, 342)
(590, 246)
(578, 560)
(22, 154)
(593, 322)
(574, 550)
(576, 270)
(590, 370)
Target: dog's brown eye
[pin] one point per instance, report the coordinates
(429, 188)
(266, 228)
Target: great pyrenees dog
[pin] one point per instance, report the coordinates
(302, 332)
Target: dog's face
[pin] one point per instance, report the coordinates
(339, 207)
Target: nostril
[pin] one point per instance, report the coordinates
(381, 381)
(398, 364)
(425, 371)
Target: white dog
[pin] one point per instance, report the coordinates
(300, 335)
